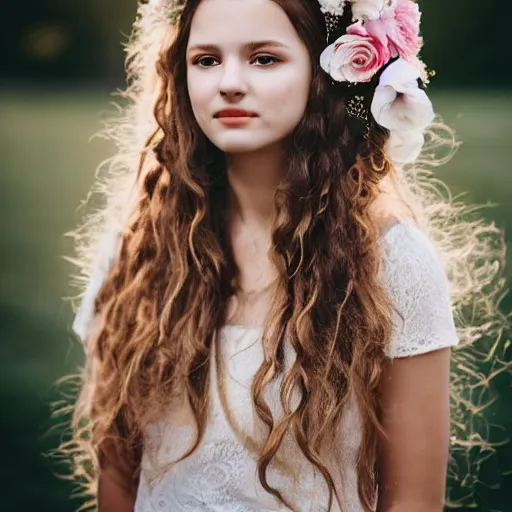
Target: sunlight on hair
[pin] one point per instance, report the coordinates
(471, 249)
(474, 255)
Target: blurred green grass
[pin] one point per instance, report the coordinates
(47, 165)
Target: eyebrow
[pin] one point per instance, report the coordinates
(251, 45)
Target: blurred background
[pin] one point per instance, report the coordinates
(60, 62)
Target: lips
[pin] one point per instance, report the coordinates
(234, 112)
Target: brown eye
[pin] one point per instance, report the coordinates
(206, 62)
(265, 60)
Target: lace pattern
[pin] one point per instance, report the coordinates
(417, 284)
(221, 474)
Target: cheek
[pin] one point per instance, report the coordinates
(288, 97)
(199, 94)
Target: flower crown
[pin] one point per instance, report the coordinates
(376, 57)
(372, 50)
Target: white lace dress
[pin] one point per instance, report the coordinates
(221, 474)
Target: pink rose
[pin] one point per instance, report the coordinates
(399, 29)
(355, 56)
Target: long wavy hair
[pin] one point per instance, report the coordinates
(158, 308)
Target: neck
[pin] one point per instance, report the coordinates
(253, 179)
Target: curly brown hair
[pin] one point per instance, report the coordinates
(166, 295)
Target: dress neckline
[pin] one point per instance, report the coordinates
(237, 328)
(259, 329)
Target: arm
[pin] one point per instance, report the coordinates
(117, 486)
(415, 415)
(117, 489)
(415, 389)
(115, 492)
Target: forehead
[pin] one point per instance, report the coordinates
(238, 21)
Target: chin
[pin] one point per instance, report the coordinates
(244, 144)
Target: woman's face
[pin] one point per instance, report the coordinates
(248, 73)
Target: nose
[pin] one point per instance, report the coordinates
(232, 84)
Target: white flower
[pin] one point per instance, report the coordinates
(370, 9)
(161, 4)
(168, 4)
(398, 103)
(404, 147)
(333, 6)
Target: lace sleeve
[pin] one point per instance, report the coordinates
(85, 321)
(415, 279)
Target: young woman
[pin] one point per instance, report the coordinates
(268, 319)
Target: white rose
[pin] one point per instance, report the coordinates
(332, 6)
(404, 147)
(370, 9)
(398, 103)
